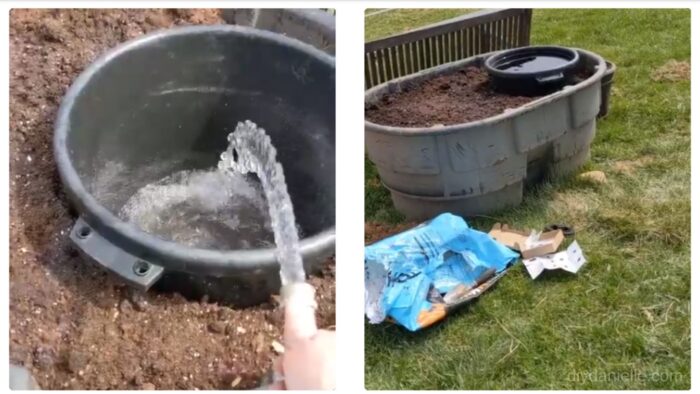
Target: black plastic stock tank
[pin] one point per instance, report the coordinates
(532, 71)
(165, 103)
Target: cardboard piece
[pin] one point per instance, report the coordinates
(547, 243)
(569, 260)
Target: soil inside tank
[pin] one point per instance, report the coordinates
(458, 97)
(71, 324)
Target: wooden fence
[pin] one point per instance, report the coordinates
(447, 41)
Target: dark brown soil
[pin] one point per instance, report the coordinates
(459, 97)
(375, 231)
(71, 324)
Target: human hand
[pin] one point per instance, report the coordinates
(308, 362)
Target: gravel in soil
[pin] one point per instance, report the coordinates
(458, 97)
(71, 324)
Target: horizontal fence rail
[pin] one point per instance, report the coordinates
(454, 39)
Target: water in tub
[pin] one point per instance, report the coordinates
(203, 208)
(241, 204)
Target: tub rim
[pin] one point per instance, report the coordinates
(168, 254)
(420, 131)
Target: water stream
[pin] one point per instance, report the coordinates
(250, 151)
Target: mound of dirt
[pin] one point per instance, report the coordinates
(71, 324)
(376, 231)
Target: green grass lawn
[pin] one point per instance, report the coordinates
(624, 321)
(399, 20)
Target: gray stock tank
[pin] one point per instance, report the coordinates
(164, 103)
(483, 166)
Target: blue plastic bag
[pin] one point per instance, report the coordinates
(441, 253)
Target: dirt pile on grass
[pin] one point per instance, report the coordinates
(376, 231)
(672, 71)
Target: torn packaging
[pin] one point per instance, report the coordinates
(442, 254)
(527, 244)
(569, 260)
